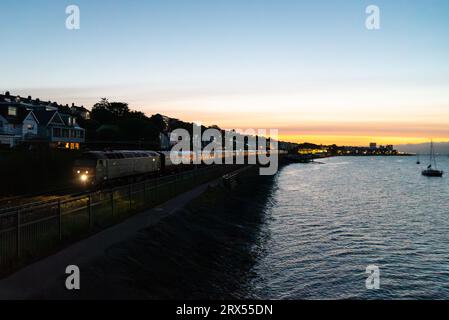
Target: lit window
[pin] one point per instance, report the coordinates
(30, 127)
(12, 111)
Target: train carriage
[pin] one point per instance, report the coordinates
(97, 167)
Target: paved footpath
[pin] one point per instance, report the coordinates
(45, 274)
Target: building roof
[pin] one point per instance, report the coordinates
(22, 113)
(44, 116)
(34, 103)
(66, 118)
(80, 109)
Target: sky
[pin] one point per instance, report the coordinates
(308, 68)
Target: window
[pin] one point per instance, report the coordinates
(72, 146)
(113, 155)
(79, 134)
(128, 155)
(30, 127)
(57, 132)
(12, 111)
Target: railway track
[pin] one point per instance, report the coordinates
(36, 197)
(11, 204)
(51, 197)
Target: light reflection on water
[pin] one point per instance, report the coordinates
(330, 221)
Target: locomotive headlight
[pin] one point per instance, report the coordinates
(78, 172)
(84, 178)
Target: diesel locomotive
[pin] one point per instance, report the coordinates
(97, 168)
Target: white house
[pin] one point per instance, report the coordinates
(16, 124)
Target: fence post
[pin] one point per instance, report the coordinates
(145, 193)
(130, 195)
(89, 210)
(18, 234)
(59, 219)
(112, 202)
(156, 190)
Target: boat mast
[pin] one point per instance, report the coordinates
(432, 155)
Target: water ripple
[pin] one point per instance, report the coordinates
(329, 222)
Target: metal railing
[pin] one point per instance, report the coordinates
(32, 231)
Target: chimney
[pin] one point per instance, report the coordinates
(73, 104)
(7, 94)
(30, 98)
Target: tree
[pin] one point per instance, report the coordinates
(100, 112)
(108, 112)
(118, 109)
(102, 104)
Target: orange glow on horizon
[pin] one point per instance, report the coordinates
(356, 140)
(344, 132)
(326, 133)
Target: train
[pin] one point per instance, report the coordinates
(98, 168)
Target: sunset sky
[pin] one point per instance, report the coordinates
(310, 69)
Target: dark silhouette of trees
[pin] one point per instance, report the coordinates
(114, 122)
(119, 109)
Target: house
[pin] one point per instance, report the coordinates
(17, 123)
(80, 112)
(28, 120)
(60, 130)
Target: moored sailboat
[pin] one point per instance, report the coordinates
(432, 171)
